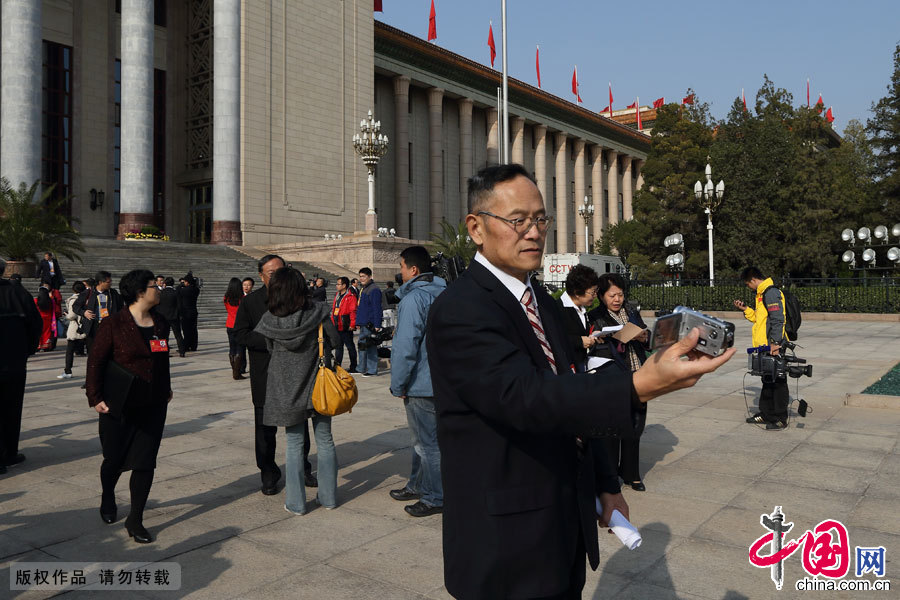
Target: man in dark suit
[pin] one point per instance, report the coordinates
(49, 271)
(168, 309)
(252, 308)
(521, 473)
(188, 294)
(95, 304)
(20, 330)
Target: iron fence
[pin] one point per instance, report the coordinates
(832, 294)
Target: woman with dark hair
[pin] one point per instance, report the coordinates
(47, 307)
(233, 296)
(623, 452)
(135, 339)
(74, 338)
(580, 294)
(291, 328)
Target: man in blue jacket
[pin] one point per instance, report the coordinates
(411, 380)
(368, 319)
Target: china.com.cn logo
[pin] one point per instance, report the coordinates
(825, 552)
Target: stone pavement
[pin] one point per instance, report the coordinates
(709, 477)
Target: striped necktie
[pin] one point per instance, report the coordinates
(535, 321)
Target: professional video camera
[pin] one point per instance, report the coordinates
(761, 363)
(716, 335)
(376, 338)
(448, 268)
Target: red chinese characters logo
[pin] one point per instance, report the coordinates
(826, 548)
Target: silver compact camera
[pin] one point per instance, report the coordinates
(716, 335)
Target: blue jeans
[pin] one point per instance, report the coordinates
(425, 474)
(368, 357)
(326, 464)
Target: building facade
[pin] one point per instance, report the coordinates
(230, 121)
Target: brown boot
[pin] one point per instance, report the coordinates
(235, 367)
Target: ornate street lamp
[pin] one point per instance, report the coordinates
(370, 144)
(675, 262)
(586, 210)
(710, 197)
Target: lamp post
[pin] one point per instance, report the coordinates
(870, 243)
(586, 210)
(370, 144)
(675, 262)
(710, 197)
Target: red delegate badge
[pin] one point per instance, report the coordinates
(159, 346)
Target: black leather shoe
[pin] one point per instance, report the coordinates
(404, 495)
(18, 458)
(420, 509)
(108, 517)
(139, 533)
(269, 489)
(182, 354)
(310, 480)
(638, 486)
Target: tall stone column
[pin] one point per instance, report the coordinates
(626, 188)
(20, 98)
(597, 186)
(227, 122)
(638, 167)
(540, 162)
(436, 141)
(517, 130)
(137, 115)
(465, 154)
(612, 184)
(401, 155)
(493, 143)
(579, 195)
(562, 194)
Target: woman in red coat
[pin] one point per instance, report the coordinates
(137, 340)
(233, 296)
(45, 306)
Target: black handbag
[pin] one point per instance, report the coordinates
(122, 388)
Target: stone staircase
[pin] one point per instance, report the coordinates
(215, 265)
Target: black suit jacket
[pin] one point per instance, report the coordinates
(168, 304)
(187, 300)
(252, 308)
(87, 300)
(44, 273)
(575, 330)
(20, 330)
(517, 492)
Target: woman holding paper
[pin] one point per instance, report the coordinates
(580, 294)
(631, 354)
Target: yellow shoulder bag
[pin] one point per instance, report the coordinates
(334, 392)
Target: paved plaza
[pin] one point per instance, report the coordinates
(709, 477)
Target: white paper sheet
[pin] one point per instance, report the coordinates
(607, 330)
(627, 533)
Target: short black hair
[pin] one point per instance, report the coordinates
(266, 259)
(751, 273)
(481, 185)
(134, 283)
(90, 282)
(344, 281)
(417, 256)
(607, 280)
(102, 276)
(354, 280)
(580, 279)
(287, 292)
(366, 271)
(170, 282)
(78, 287)
(161, 276)
(250, 279)
(16, 277)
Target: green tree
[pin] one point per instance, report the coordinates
(884, 131)
(28, 227)
(454, 241)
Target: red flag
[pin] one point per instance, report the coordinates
(820, 105)
(632, 105)
(658, 103)
(491, 44)
(637, 109)
(605, 110)
(610, 107)
(743, 99)
(432, 24)
(537, 64)
(829, 116)
(378, 6)
(807, 92)
(575, 83)
(688, 99)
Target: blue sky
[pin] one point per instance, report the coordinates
(655, 48)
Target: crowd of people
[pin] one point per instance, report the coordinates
(515, 438)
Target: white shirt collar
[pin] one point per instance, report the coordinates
(567, 301)
(515, 287)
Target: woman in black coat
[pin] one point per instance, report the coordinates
(623, 452)
(137, 340)
(581, 291)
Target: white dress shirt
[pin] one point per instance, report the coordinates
(582, 311)
(516, 288)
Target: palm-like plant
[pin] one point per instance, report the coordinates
(454, 241)
(28, 227)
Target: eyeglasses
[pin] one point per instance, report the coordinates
(543, 223)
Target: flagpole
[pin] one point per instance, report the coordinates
(505, 128)
(499, 126)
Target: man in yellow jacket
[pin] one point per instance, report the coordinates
(768, 329)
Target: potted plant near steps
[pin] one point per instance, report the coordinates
(28, 228)
(148, 233)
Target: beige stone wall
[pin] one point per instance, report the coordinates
(307, 78)
(385, 181)
(419, 166)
